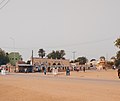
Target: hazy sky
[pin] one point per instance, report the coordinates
(88, 27)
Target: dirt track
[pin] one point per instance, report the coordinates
(89, 86)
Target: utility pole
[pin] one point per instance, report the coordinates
(74, 55)
(32, 57)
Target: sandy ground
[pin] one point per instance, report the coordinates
(79, 86)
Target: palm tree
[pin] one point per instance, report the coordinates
(41, 53)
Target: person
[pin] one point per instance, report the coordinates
(77, 69)
(119, 73)
(56, 70)
(113, 67)
(44, 70)
(25, 70)
(53, 70)
(67, 71)
(84, 68)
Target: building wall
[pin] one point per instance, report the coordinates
(101, 64)
(51, 62)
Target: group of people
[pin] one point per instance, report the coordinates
(55, 71)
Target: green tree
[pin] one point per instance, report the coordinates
(117, 43)
(62, 54)
(41, 53)
(117, 62)
(28, 62)
(118, 55)
(113, 58)
(82, 60)
(102, 58)
(71, 61)
(56, 54)
(3, 57)
(52, 55)
(92, 60)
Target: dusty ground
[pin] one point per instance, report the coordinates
(80, 86)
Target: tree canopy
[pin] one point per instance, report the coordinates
(56, 54)
(3, 57)
(92, 60)
(82, 60)
(117, 42)
(102, 58)
(41, 53)
(118, 55)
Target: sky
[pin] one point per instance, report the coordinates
(86, 27)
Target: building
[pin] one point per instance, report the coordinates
(62, 64)
(101, 64)
(22, 66)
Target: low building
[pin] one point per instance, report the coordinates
(22, 67)
(101, 64)
(25, 68)
(50, 63)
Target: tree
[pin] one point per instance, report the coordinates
(118, 55)
(92, 60)
(56, 54)
(28, 62)
(117, 62)
(82, 60)
(71, 61)
(52, 55)
(117, 43)
(3, 57)
(113, 57)
(102, 58)
(62, 53)
(41, 53)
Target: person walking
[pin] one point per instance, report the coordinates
(119, 73)
(67, 71)
(84, 68)
(44, 70)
